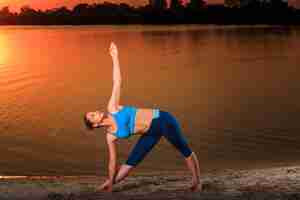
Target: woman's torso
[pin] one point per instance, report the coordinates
(142, 120)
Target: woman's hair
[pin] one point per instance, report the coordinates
(89, 125)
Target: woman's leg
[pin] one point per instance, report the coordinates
(172, 132)
(193, 165)
(123, 172)
(140, 150)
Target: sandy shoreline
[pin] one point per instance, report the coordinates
(271, 183)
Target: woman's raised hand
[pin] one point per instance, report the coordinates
(113, 50)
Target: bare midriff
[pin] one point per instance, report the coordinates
(143, 120)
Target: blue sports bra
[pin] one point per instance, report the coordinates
(125, 120)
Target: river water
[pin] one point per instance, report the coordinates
(234, 90)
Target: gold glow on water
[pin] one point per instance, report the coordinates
(4, 50)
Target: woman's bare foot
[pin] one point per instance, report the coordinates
(196, 186)
(105, 187)
(101, 189)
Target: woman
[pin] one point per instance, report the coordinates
(121, 122)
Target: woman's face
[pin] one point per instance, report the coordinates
(95, 117)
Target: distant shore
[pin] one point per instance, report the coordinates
(271, 183)
(195, 12)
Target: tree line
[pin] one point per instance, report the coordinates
(195, 12)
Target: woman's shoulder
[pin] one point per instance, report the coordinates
(120, 107)
(125, 108)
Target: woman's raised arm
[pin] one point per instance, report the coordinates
(114, 101)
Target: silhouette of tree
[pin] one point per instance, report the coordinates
(232, 3)
(249, 12)
(196, 4)
(125, 6)
(61, 15)
(6, 17)
(158, 4)
(279, 4)
(29, 16)
(176, 5)
(27, 11)
(81, 9)
(254, 4)
(62, 11)
(5, 12)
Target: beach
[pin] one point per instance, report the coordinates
(270, 183)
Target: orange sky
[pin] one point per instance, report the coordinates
(14, 4)
(70, 3)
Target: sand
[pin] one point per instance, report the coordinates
(271, 183)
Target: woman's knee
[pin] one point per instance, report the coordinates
(188, 154)
(126, 167)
